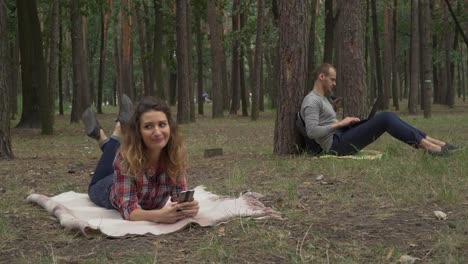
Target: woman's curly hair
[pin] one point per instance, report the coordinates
(133, 149)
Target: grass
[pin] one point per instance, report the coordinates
(358, 213)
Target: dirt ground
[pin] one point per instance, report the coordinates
(316, 229)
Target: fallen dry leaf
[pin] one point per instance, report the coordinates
(407, 259)
(440, 215)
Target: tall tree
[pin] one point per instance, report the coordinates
(426, 56)
(243, 88)
(126, 40)
(188, 19)
(223, 62)
(311, 47)
(387, 55)
(183, 104)
(49, 96)
(14, 75)
(329, 27)
(257, 60)
(105, 13)
(81, 98)
(33, 70)
(414, 62)
(145, 67)
(378, 63)
(215, 40)
(235, 75)
(293, 69)
(5, 138)
(395, 60)
(158, 49)
(352, 67)
(199, 47)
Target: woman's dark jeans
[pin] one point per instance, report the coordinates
(350, 140)
(101, 183)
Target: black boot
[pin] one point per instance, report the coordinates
(125, 111)
(92, 126)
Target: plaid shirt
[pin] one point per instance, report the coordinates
(148, 190)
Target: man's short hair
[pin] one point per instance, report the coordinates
(323, 68)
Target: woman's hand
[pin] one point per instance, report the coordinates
(169, 214)
(347, 121)
(189, 209)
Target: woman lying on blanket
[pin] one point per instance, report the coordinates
(324, 133)
(138, 176)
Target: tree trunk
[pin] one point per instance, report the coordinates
(80, 82)
(142, 45)
(235, 76)
(387, 56)
(104, 28)
(32, 63)
(126, 27)
(49, 95)
(414, 63)
(158, 49)
(183, 104)
(14, 76)
(329, 28)
(311, 48)
(198, 33)
(60, 70)
(293, 70)
(257, 61)
(172, 88)
(222, 65)
(243, 88)
(190, 62)
(395, 58)
(378, 63)
(352, 66)
(426, 56)
(275, 78)
(215, 40)
(5, 138)
(449, 96)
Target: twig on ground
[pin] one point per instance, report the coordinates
(302, 243)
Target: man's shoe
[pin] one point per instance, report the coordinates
(125, 110)
(444, 152)
(451, 146)
(92, 126)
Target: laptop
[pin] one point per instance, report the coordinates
(371, 115)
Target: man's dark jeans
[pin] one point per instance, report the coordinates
(350, 140)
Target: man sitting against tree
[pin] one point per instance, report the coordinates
(325, 134)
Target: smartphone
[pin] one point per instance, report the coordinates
(186, 196)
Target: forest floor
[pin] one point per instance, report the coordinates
(364, 211)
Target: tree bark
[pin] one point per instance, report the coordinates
(190, 62)
(257, 61)
(352, 67)
(426, 57)
(102, 62)
(158, 49)
(215, 40)
(395, 58)
(49, 94)
(387, 55)
(14, 75)
(293, 69)
(222, 65)
(198, 33)
(243, 88)
(5, 137)
(60, 70)
(142, 45)
(33, 70)
(378, 63)
(80, 80)
(126, 66)
(329, 28)
(414, 64)
(183, 104)
(311, 48)
(235, 76)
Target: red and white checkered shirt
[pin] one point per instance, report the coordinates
(148, 190)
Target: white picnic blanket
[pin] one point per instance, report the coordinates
(76, 211)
